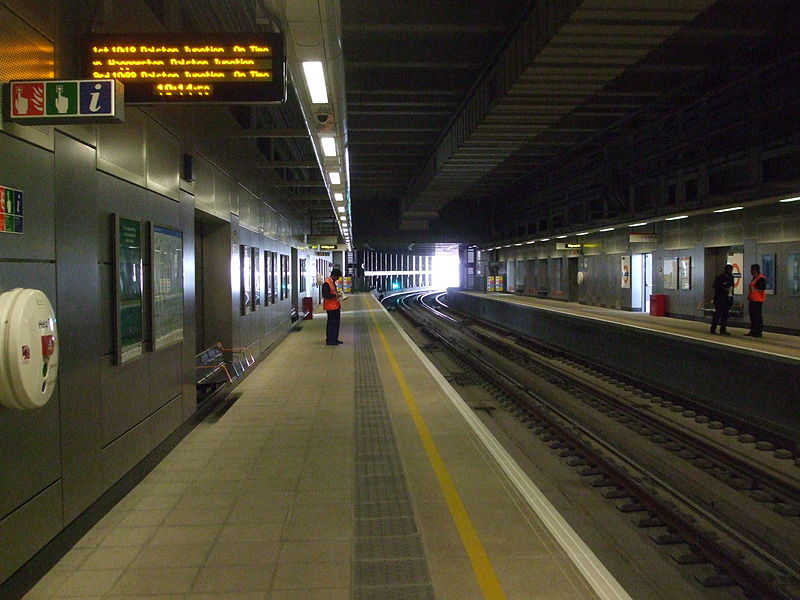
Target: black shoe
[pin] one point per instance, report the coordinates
(756, 335)
(713, 331)
(331, 343)
(724, 333)
(339, 342)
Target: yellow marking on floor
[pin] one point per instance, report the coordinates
(481, 565)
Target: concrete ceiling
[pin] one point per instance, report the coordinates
(451, 103)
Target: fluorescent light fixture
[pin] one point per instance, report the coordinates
(583, 233)
(336, 178)
(315, 79)
(560, 237)
(520, 244)
(340, 209)
(328, 145)
(544, 240)
(677, 218)
(531, 242)
(607, 229)
(338, 196)
(344, 218)
(722, 210)
(795, 199)
(637, 224)
(507, 246)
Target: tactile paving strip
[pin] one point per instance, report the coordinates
(390, 561)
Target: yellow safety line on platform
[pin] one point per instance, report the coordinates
(481, 565)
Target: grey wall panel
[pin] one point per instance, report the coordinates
(118, 196)
(120, 149)
(189, 391)
(83, 133)
(163, 210)
(165, 421)
(78, 322)
(163, 161)
(203, 185)
(29, 439)
(28, 168)
(105, 282)
(122, 455)
(29, 528)
(217, 284)
(125, 394)
(164, 374)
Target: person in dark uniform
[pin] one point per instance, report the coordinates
(723, 288)
(755, 303)
(332, 305)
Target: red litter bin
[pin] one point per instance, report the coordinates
(308, 308)
(658, 305)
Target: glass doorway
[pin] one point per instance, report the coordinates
(641, 281)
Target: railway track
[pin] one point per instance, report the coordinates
(708, 489)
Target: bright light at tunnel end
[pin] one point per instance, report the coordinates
(445, 271)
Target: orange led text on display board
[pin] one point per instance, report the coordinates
(221, 68)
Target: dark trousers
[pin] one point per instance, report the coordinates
(721, 312)
(756, 319)
(332, 328)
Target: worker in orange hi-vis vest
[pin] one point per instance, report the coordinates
(755, 298)
(332, 305)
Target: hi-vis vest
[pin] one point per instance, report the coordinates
(757, 295)
(331, 303)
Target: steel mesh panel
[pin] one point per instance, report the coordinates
(386, 526)
(374, 548)
(417, 592)
(389, 561)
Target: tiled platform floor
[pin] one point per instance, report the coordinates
(259, 501)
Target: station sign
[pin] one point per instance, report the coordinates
(643, 237)
(213, 68)
(568, 246)
(64, 101)
(11, 213)
(321, 240)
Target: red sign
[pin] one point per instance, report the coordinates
(27, 99)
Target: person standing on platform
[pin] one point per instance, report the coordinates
(723, 288)
(333, 306)
(755, 303)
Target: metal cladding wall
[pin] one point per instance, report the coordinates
(746, 384)
(104, 418)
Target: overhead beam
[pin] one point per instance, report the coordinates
(265, 132)
(300, 164)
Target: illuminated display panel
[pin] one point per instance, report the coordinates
(245, 68)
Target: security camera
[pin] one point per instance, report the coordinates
(323, 117)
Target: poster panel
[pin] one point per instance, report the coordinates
(793, 274)
(736, 260)
(685, 273)
(166, 248)
(670, 272)
(246, 281)
(256, 258)
(129, 333)
(768, 269)
(625, 271)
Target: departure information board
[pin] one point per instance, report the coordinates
(219, 68)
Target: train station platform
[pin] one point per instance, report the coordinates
(749, 382)
(335, 472)
(773, 344)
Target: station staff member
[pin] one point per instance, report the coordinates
(755, 304)
(332, 305)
